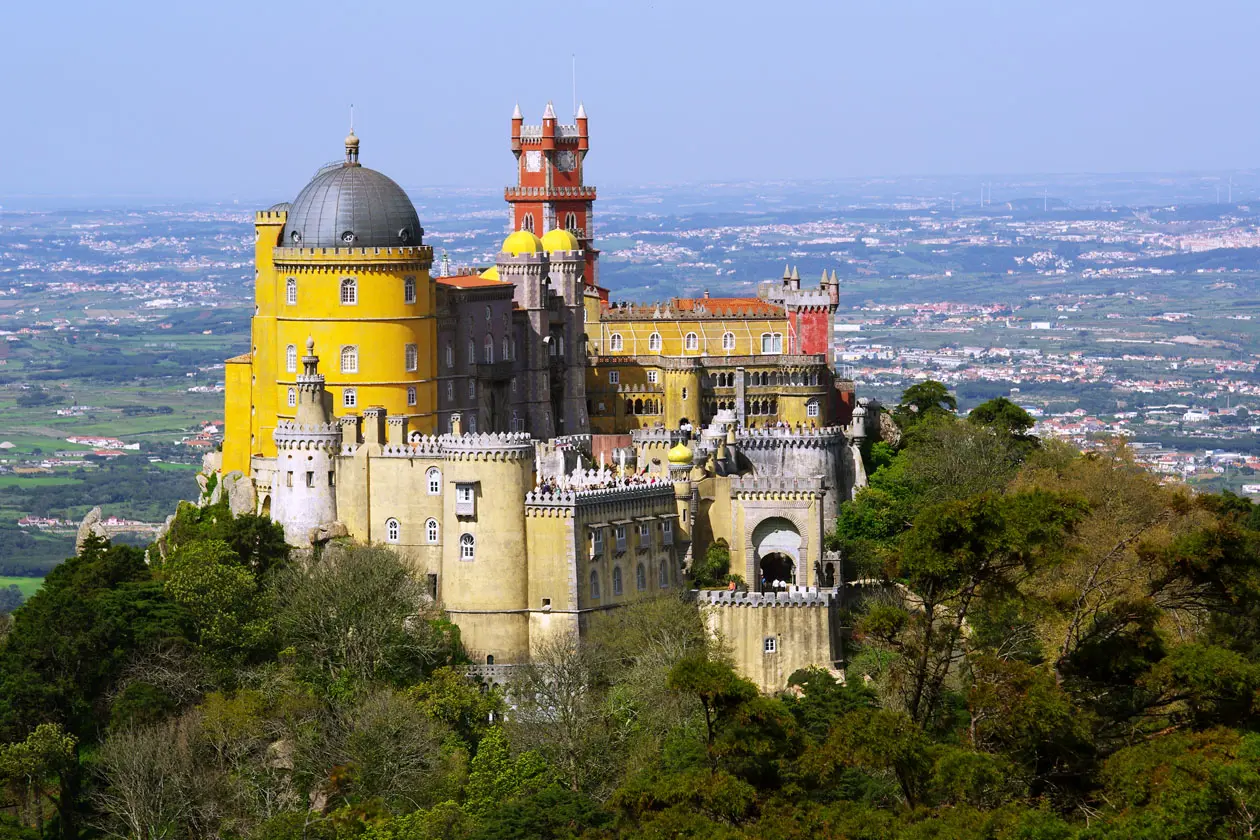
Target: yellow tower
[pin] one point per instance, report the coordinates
(344, 265)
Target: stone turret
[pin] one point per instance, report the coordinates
(304, 495)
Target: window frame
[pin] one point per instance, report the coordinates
(616, 343)
(409, 289)
(349, 291)
(393, 531)
(349, 352)
(655, 342)
(467, 547)
(411, 396)
(728, 340)
(614, 377)
(411, 357)
(349, 398)
(292, 397)
(691, 343)
(290, 291)
(432, 531)
(290, 358)
(433, 481)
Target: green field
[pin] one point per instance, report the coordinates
(28, 585)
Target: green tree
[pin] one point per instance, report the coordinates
(713, 571)
(1003, 416)
(923, 400)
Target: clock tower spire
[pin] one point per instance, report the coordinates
(549, 192)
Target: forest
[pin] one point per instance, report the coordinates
(1050, 646)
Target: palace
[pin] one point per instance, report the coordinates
(539, 453)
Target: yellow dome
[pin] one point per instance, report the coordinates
(680, 454)
(522, 242)
(559, 239)
(491, 273)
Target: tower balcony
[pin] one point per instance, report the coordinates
(549, 193)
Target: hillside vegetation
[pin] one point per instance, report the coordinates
(1052, 647)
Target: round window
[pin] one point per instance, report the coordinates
(348, 237)
(404, 235)
(295, 236)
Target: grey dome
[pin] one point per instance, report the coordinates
(350, 206)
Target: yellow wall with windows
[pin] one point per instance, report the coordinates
(236, 405)
(379, 321)
(636, 336)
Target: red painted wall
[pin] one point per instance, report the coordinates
(811, 332)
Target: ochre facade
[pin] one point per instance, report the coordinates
(538, 454)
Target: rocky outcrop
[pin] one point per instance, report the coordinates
(328, 531)
(889, 431)
(90, 525)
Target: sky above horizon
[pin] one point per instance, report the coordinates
(232, 99)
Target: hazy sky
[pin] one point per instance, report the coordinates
(226, 99)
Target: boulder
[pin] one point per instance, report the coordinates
(90, 525)
(240, 493)
(328, 531)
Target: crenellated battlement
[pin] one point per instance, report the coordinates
(304, 436)
(778, 486)
(796, 597)
(700, 310)
(772, 438)
(489, 446)
(659, 435)
(418, 255)
(593, 497)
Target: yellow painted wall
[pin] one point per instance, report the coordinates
(236, 419)
(636, 336)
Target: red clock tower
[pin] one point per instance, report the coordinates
(549, 192)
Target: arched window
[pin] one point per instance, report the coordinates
(654, 342)
(629, 406)
(391, 530)
(431, 531)
(472, 389)
(507, 349)
(488, 349)
(409, 290)
(467, 546)
(662, 579)
(728, 341)
(472, 352)
(489, 314)
(594, 584)
(450, 391)
(767, 343)
(411, 357)
(527, 223)
(434, 479)
(411, 395)
(290, 291)
(640, 578)
(349, 398)
(638, 406)
(616, 580)
(349, 291)
(811, 408)
(349, 359)
(615, 343)
(290, 358)
(691, 342)
(450, 355)
(292, 397)
(570, 221)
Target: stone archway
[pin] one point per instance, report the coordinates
(776, 545)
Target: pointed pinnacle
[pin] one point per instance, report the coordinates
(516, 112)
(581, 114)
(795, 274)
(787, 272)
(550, 113)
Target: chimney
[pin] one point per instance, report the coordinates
(457, 424)
(374, 425)
(396, 428)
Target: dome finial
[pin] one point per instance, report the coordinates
(352, 142)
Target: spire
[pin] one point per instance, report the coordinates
(787, 274)
(833, 277)
(581, 114)
(516, 112)
(550, 113)
(823, 281)
(795, 274)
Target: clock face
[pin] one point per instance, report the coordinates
(566, 161)
(533, 161)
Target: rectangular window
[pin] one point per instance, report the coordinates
(349, 291)
(409, 290)
(411, 396)
(621, 537)
(332, 479)
(465, 499)
(290, 291)
(667, 533)
(411, 356)
(597, 541)
(652, 376)
(811, 410)
(450, 392)
(771, 644)
(349, 398)
(288, 479)
(614, 377)
(310, 479)
(472, 389)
